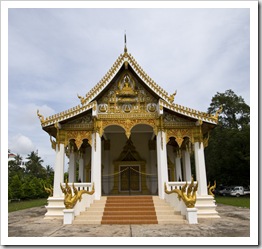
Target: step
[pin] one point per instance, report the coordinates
(130, 210)
(128, 222)
(129, 217)
(127, 212)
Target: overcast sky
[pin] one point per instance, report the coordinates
(55, 54)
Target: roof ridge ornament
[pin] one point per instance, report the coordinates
(125, 49)
(171, 98)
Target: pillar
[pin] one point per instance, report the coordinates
(178, 167)
(186, 165)
(72, 166)
(200, 168)
(59, 170)
(96, 164)
(161, 163)
(81, 168)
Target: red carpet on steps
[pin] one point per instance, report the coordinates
(129, 210)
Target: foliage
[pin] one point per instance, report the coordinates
(242, 201)
(235, 114)
(28, 183)
(19, 205)
(228, 151)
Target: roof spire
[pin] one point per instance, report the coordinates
(125, 49)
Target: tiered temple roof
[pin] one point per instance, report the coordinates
(89, 101)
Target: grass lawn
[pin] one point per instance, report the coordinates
(19, 205)
(242, 201)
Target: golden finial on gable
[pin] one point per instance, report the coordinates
(81, 99)
(218, 111)
(41, 117)
(171, 98)
(125, 49)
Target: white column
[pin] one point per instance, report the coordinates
(161, 163)
(59, 170)
(81, 168)
(96, 164)
(178, 168)
(200, 168)
(186, 165)
(72, 167)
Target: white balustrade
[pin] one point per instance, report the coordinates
(179, 205)
(80, 185)
(178, 185)
(80, 206)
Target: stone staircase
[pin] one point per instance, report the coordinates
(130, 210)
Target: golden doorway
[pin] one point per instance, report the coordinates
(130, 180)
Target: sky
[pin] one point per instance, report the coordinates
(55, 54)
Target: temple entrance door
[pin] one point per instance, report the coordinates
(129, 180)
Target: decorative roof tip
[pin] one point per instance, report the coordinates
(125, 49)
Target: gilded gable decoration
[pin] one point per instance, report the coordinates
(126, 92)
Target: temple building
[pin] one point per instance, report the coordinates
(127, 136)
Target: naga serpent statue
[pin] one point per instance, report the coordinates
(211, 189)
(49, 191)
(187, 194)
(70, 199)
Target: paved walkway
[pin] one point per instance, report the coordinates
(234, 222)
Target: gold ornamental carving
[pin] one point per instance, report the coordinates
(41, 117)
(187, 193)
(171, 98)
(179, 135)
(70, 198)
(128, 124)
(53, 143)
(218, 112)
(79, 136)
(49, 190)
(211, 189)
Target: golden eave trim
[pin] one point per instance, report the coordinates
(66, 114)
(206, 117)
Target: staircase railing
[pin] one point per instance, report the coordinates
(76, 203)
(182, 196)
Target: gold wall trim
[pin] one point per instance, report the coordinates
(179, 135)
(79, 136)
(128, 124)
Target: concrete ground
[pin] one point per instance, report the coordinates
(234, 222)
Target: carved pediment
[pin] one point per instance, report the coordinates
(176, 120)
(127, 95)
(80, 122)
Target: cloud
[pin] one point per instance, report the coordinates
(25, 114)
(21, 144)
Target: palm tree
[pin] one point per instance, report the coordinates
(34, 165)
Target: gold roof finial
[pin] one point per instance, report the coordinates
(125, 49)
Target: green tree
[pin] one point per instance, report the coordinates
(49, 175)
(228, 152)
(14, 167)
(34, 165)
(15, 188)
(29, 183)
(235, 113)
